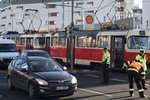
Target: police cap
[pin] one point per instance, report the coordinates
(142, 51)
(105, 48)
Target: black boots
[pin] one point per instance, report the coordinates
(142, 95)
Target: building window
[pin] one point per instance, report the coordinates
(79, 4)
(12, 15)
(53, 14)
(90, 3)
(3, 25)
(3, 10)
(147, 24)
(104, 18)
(51, 22)
(79, 21)
(19, 7)
(120, 9)
(51, 6)
(120, 0)
(4, 17)
(89, 11)
(77, 12)
(9, 23)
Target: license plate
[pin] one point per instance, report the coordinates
(62, 88)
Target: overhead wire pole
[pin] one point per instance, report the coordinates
(63, 8)
(72, 39)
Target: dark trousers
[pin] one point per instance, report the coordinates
(105, 68)
(143, 76)
(134, 76)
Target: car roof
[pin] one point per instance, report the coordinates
(35, 50)
(37, 58)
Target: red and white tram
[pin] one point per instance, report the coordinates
(88, 45)
(123, 46)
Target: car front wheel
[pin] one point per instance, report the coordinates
(32, 91)
(9, 84)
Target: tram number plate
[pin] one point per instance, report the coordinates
(62, 88)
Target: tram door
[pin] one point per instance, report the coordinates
(29, 43)
(48, 44)
(117, 52)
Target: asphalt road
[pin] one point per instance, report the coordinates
(89, 88)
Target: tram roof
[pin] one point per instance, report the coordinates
(56, 34)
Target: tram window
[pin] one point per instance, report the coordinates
(30, 41)
(18, 41)
(91, 41)
(22, 41)
(39, 41)
(103, 41)
(62, 41)
(13, 39)
(54, 41)
(138, 42)
(81, 41)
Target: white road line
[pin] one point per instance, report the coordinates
(92, 75)
(119, 80)
(114, 79)
(94, 92)
(147, 84)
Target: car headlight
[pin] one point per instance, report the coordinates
(41, 82)
(73, 80)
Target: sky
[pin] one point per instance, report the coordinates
(139, 2)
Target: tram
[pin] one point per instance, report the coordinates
(123, 45)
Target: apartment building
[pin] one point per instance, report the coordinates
(21, 15)
(146, 15)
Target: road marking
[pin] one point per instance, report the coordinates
(147, 84)
(114, 79)
(1, 96)
(94, 92)
(119, 80)
(92, 75)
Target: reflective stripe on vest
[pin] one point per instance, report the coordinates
(133, 69)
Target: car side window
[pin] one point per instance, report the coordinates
(13, 63)
(24, 65)
(23, 54)
(17, 63)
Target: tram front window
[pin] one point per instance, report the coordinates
(40, 41)
(139, 42)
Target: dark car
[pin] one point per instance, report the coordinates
(41, 53)
(40, 77)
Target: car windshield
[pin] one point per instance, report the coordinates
(41, 54)
(8, 48)
(44, 65)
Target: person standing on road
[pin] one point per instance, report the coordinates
(142, 58)
(133, 74)
(105, 65)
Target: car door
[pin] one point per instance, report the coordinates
(23, 75)
(15, 72)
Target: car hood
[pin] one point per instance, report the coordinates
(51, 76)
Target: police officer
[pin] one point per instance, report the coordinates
(105, 65)
(142, 58)
(133, 75)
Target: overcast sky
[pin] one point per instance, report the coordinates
(139, 2)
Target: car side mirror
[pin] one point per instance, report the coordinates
(65, 68)
(23, 69)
